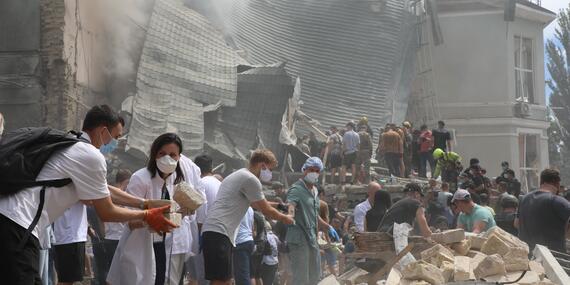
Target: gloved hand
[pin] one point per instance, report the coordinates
(333, 234)
(156, 220)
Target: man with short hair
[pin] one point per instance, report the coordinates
(506, 217)
(237, 192)
(543, 215)
(350, 145)
(85, 165)
(407, 210)
(441, 137)
(361, 209)
(391, 145)
(473, 218)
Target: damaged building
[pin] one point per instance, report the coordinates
(222, 77)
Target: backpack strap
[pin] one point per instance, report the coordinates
(36, 219)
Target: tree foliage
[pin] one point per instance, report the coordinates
(558, 55)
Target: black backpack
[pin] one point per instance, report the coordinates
(23, 153)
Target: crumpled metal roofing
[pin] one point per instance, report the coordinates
(185, 64)
(353, 57)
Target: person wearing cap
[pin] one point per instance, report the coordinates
(350, 146)
(448, 165)
(407, 210)
(364, 123)
(301, 236)
(473, 218)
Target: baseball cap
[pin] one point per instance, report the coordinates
(461, 195)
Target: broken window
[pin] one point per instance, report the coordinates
(524, 78)
(529, 155)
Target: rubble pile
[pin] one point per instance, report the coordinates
(494, 256)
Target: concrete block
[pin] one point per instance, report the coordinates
(421, 270)
(449, 236)
(175, 218)
(516, 259)
(538, 268)
(530, 277)
(462, 268)
(490, 265)
(495, 245)
(461, 248)
(447, 269)
(553, 270)
(546, 281)
(437, 254)
(476, 241)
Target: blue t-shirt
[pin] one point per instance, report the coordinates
(478, 214)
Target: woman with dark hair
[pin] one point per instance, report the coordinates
(382, 202)
(145, 254)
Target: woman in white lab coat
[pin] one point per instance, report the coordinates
(143, 257)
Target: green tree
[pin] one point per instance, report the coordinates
(558, 55)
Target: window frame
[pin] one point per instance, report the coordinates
(526, 97)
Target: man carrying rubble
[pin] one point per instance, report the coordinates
(473, 218)
(543, 215)
(361, 209)
(237, 193)
(408, 210)
(302, 235)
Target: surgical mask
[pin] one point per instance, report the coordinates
(166, 164)
(110, 146)
(312, 178)
(265, 175)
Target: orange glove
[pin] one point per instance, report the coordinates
(156, 220)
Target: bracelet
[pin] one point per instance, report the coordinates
(142, 204)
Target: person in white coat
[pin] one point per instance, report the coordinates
(150, 258)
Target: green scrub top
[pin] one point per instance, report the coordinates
(304, 231)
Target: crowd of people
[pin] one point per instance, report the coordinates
(240, 236)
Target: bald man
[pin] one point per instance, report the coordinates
(361, 209)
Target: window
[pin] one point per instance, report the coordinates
(524, 79)
(529, 157)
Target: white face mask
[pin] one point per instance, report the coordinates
(166, 164)
(312, 177)
(265, 175)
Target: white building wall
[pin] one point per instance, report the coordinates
(474, 82)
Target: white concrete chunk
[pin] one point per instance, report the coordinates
(449, 236)
(437, 254)
(490, 265)
(462, 268)
(421, 270)
(462, 248)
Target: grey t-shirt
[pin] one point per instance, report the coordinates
(236, 193)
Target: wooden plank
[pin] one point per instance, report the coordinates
(373, 278)
(552, 268)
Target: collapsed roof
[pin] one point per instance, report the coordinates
(355, 58)
(185, 65)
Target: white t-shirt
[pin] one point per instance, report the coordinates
(211, 186)
(114, 231)
(86, 167)
(236, 193)
(274, 242)
(360, 214)
(245, 229)
(72, 226)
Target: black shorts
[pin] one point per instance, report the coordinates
(349, 159)
(70, 262)
(335, 160)
(18, 266)
(218, 251)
